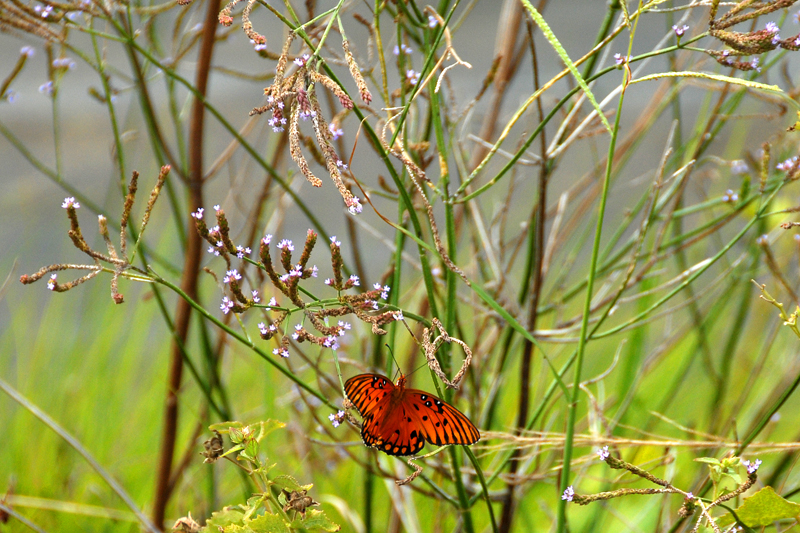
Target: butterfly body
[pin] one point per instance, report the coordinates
(398, 420)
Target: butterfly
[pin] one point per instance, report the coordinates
(398, 420)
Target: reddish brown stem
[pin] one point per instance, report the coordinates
(191, 268)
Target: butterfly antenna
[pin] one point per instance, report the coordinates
(393, 358)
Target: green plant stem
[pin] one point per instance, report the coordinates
(572, 407)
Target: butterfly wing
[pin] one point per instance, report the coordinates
(400, 424)
(387, 425)
(439, 422)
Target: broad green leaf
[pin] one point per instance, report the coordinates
(708, 460)
(266, 427)
(251, 449)
(233, 450)
(224, 427)
(316, 519)
(763, 508)
(268, 523)
(253, 505)
(224, 518)
(289, 483)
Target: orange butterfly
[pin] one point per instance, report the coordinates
(398, 420)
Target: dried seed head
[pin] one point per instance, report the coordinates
(355, 72)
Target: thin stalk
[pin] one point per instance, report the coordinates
(572, 407)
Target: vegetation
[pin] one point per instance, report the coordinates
(567, 245)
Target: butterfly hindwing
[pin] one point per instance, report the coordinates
(440, 423)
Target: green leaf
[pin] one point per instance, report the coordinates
(251, 449)
(224, 518)
(236, 528)
(289, 483)
(224, 427)
(268, 523)
(253, 505)
(316, 519)
(765, 507)
(266, 427)
(554, 42)
(709, 460)
(233, 450)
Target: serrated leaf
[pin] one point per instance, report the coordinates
(253, 505)
(289, 483)
(224, 518)
(708, 460)
(268, 523)
(251, 448)
(236, 528)
(765, 507)
(268, 426)
(316, 519)
(233, 450)
(224, 427)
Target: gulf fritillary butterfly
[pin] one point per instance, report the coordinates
(398, 420)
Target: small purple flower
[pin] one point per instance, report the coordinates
(356, 281)
(335, 242)
(787, 164)
(231, 275)
(267, 239)
(569, 493)
(739, 167)
(262, 328)
(256, 297)
(689, 496)
(286, 243)
(619, 60)
(752, 468)
(603, 453)
(213, 250)
(46, 87)
(412, 76)
(336, 419)
(432, 21)
(272, 302)
(198, 214)
(259, 47)
(216, 208)
(226, 305)
(355, 206)
(398, 315)
(27, 51)
(345, 325)
(335, 130)
(330, 342)
(314, 271)
(680, 30)
(283, 352)
(70, 202)
(341, 164)
(754, 64)
(328, 281)
(51, 283)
